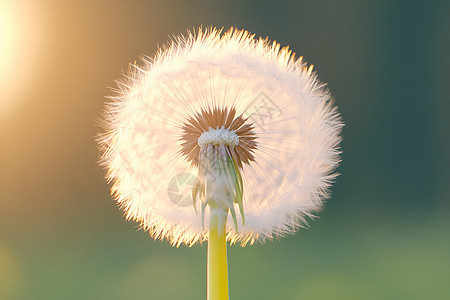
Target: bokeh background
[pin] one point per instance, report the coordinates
(385, 233)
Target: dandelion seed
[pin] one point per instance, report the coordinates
(244, 124)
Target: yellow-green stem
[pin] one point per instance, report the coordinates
(217, 255)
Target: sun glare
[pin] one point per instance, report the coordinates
(20, 34)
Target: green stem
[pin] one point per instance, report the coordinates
(217, 284)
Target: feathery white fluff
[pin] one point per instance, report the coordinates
(297, 131)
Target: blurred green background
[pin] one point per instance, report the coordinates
(384, 234)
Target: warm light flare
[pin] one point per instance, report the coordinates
(20, 39)
(8, 37)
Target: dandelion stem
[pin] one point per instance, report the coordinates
(217, 284)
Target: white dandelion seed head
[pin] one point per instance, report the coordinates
(218, 136)
(263, 105)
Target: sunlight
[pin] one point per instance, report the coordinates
(8, 37)
(20, 37)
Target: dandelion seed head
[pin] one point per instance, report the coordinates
(241, 98)
(218, 136)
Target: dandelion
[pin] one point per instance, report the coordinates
(220, 137)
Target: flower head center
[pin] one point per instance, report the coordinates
(216, 127)
(219, 136)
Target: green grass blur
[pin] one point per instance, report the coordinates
(384, 234)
